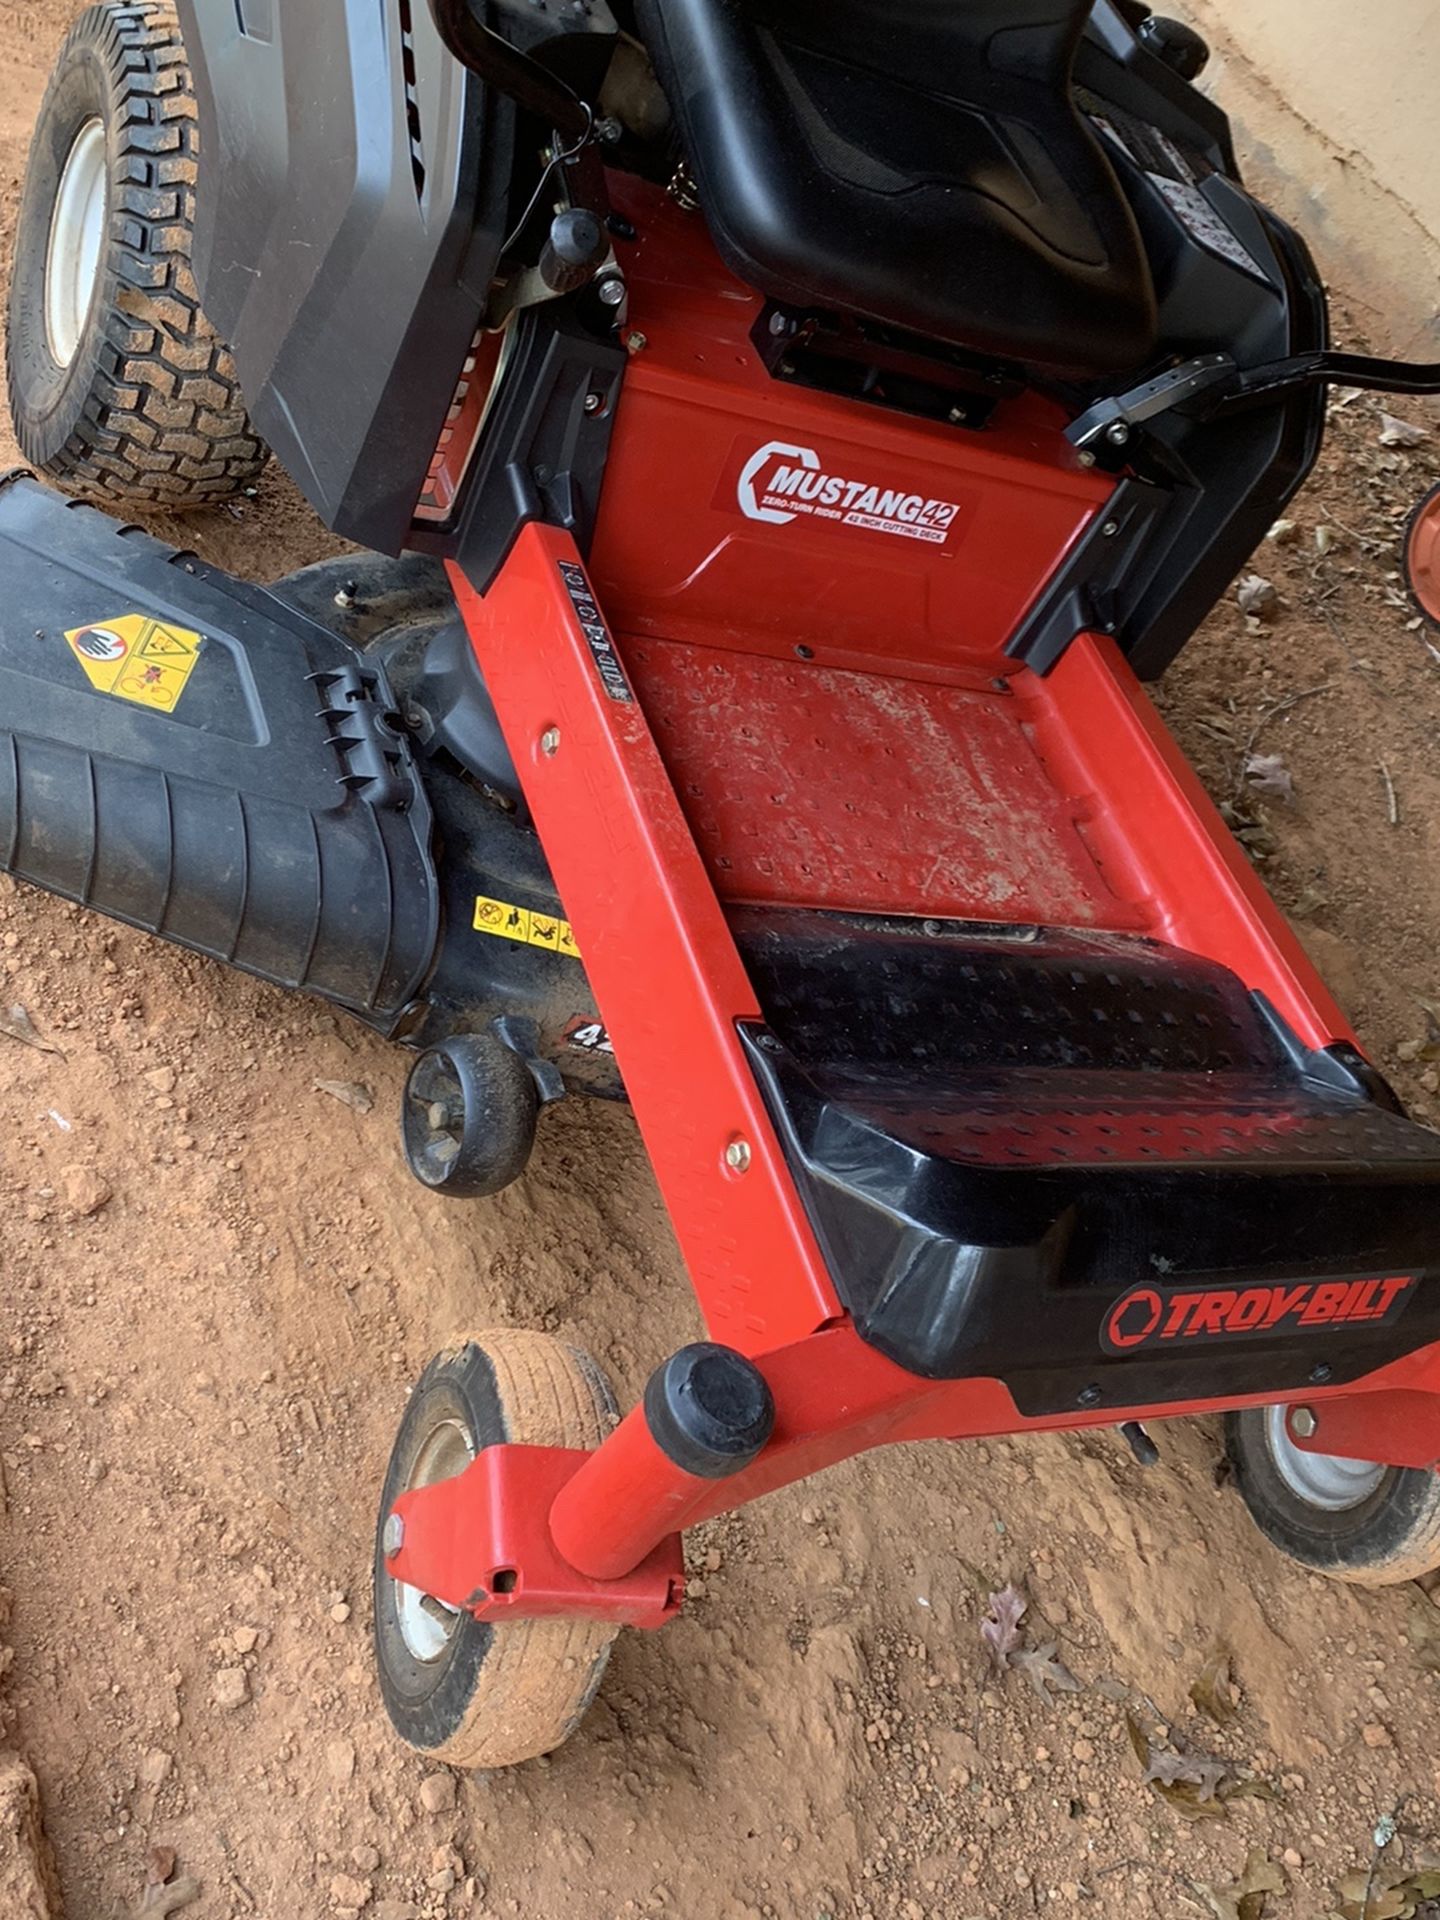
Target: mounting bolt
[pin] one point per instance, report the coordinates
(737, 1156)
(1303, 1423)
(393, 1536)
(1110, 529)
(636, 342)
(611, 290)
(957, 416)
(550, 742)
(1089, 1397)
(1321, 1372)
(594, 402)
(1085, 457)
(1118, 434)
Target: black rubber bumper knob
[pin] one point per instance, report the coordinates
(709, 1409)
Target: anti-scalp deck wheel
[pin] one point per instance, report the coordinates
(468, 1118)
(1420, 557)
(119, 387)
(459, 1689)
(1352, 1519)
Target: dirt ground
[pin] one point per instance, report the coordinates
(218, 1283)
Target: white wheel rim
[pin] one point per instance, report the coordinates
(427, 1626)
(77, 237)
(1323, 1480)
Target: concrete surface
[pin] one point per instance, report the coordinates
(1334, 106)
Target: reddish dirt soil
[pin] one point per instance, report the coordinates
(200, 1378)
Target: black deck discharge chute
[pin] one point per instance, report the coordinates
(193, 757)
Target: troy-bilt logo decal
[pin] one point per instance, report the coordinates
(780, 483)
(1147, 1318)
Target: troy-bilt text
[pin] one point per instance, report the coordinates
(1146, 1317)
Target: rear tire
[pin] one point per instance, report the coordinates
(1374, 1526)
(118, 386)
(459, 1689)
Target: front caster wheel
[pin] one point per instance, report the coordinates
(469, 1116)
(1352, 1519)
(456, 1688)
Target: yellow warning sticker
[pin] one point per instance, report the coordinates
(137, 657)
(509, 922)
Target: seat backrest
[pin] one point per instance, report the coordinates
(921, 163)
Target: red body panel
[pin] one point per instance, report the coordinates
(675, 554)
(817, 786)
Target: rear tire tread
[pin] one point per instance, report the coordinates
(163, 423)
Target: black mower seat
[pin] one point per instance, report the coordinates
(920, 163)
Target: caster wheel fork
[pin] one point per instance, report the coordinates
(470, 1692)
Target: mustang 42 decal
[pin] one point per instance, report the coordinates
(1147, 1318)
(780, 483)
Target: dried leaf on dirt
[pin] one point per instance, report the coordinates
(1187, 1783)
(1000, 1629)
(1400, 433)
(1113, 1689)
(1268, 773)
(1211, 1691)
(1257, 596)
(1422, 1628)
(1392, 1896)
(1047, 1675)
(1249, 1788)
(17, 1024)
(1245, 1900)
(350, 1093)
(159, 1902)
(159, 1866)
(1185, 1769)
(1309, 901)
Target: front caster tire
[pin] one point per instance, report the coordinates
(456, 1688)
(468, 1119)
(1373, 1525)
(119, 387)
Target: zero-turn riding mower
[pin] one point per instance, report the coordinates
(785, 438)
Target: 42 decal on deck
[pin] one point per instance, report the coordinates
(1148, 1317)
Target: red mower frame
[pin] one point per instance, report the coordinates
(648, 700)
